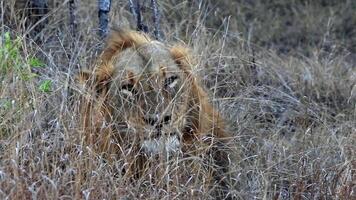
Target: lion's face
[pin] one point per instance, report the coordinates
(142, 97)
(149, 93)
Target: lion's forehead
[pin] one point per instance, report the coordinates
(151, 58)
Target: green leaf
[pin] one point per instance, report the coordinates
(35, 62)
(6, 104)
(45, 86)
(12, 46)
(7, 40)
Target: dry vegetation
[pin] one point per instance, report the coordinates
(283, 74)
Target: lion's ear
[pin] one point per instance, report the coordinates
(182, 56)
(119, 40)
(84, 76)
(96, 79)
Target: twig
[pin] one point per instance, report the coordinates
(104, 9)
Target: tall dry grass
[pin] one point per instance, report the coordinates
(285, 82)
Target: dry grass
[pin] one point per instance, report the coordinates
(289, 97)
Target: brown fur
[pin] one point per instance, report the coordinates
(201, 127)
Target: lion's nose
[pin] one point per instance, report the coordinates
(155, 120)
(166, 119)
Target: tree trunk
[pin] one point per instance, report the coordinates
(72, 18)
(140, 25)
(156, 17)
(38, 9)
(104, 9)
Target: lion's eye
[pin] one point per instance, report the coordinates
(171, 82)
(128, 89)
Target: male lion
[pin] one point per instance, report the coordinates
(145, 102)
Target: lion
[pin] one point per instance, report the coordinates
(145, 101)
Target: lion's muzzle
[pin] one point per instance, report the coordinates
(165, 144)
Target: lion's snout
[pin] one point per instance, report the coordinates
(165, 143)
(161, 137)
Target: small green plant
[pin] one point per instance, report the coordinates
(11, 59)
(5, 104)
(36, 63)
(9, 53)
(45, 86)
(13, 63)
